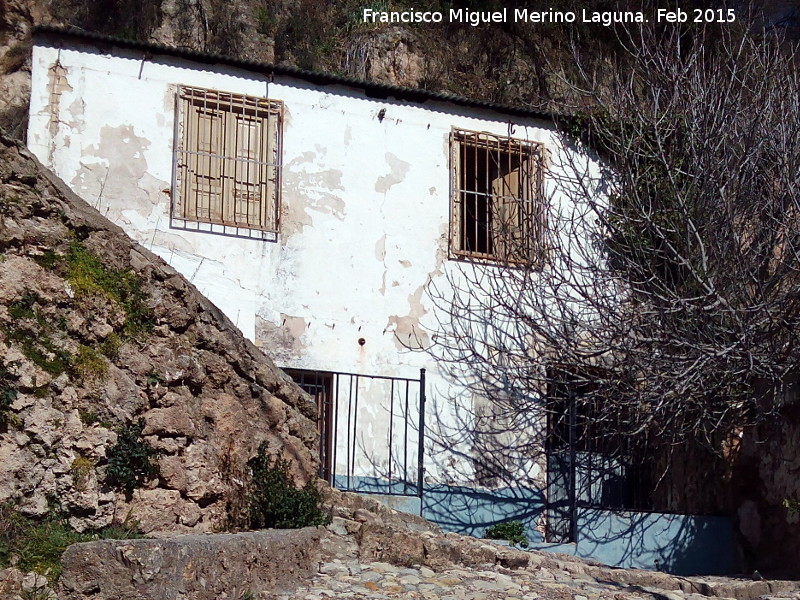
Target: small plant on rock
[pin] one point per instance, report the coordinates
(88, 417)
(131, 461)
(31, 330)
(89, 364)
(792, 505)
(8, 393)
(511, 531)
(275, 499)
(81, 469)
(154, 379)
(88, 275)
(110, 346)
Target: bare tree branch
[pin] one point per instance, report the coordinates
(669, 297)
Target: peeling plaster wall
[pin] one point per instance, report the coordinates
(364, 213)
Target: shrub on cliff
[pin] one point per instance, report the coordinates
(276, 501)
(131, 459)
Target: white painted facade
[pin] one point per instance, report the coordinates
(364, 214)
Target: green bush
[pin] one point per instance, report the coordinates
(8, 393)
(511, 531)
(131, 461)
(277, 502)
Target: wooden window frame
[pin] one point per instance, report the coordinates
(497, 198)
(227, 163)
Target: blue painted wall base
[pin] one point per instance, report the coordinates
(677, 544)
(471, 511)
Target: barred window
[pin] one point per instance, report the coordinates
(497, 197)
(227, 160)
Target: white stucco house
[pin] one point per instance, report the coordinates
(316, 211)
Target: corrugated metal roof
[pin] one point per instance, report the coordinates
(43, 33)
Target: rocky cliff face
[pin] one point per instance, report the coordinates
(511, 64)
(99, 336)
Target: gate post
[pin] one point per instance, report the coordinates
(421, 447)
(573, 527)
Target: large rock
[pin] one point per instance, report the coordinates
(207, 398)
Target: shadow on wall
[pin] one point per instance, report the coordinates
(465, 510)
(471, 511)
(398, 495)
(677, 544)
(495, 441)
(673, 543)
(487, 444)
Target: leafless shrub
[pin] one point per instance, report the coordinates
(669, 303)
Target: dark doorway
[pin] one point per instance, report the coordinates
(319, 385)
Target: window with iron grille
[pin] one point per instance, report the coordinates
(227, 161)
(497, 197)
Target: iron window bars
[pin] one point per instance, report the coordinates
(497, 197)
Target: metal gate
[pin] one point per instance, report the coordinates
(589, 465)
(371, 430)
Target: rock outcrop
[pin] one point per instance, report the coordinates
(97, 334)
(388, 57)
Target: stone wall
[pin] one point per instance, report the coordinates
(368, 552)
(767, 477)
(201, 567)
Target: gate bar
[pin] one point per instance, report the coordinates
(421, 448)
